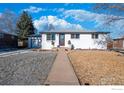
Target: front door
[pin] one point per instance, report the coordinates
(61, 39)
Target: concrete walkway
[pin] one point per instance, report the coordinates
(62, 72)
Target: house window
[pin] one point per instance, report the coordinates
(1, 35)
(94, 36)
(75, 36)
(50, 36)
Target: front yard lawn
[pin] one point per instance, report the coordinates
(98, 67)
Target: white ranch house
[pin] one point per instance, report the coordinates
(79, 40)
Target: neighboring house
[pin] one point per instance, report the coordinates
(34, 41)
(8, 40)
(118, 43)
(79, 39)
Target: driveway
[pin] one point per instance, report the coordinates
(29, 68)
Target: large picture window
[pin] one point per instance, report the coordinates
(50, 36)
(75, 36)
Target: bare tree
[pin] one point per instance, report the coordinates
(103, 41)
(116, 9)
(8, 21)
(115, 12)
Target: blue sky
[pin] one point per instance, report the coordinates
(66, 16)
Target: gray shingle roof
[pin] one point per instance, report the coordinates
(73, 31)
(7, 33)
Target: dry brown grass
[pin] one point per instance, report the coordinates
(98, 67)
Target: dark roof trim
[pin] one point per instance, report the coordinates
(3, 32)
(75, 32)
(34, 35)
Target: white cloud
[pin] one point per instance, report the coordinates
(116, 27)
(83, 15)
(56, 9)
(61, 9)
(33, 9)
(42, 23)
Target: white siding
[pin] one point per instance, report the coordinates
(101, 42)
(47, 44)
(84, 42)
(56, 40)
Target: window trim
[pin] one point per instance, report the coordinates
(95, 36)
(51, 37)
(75, 36)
